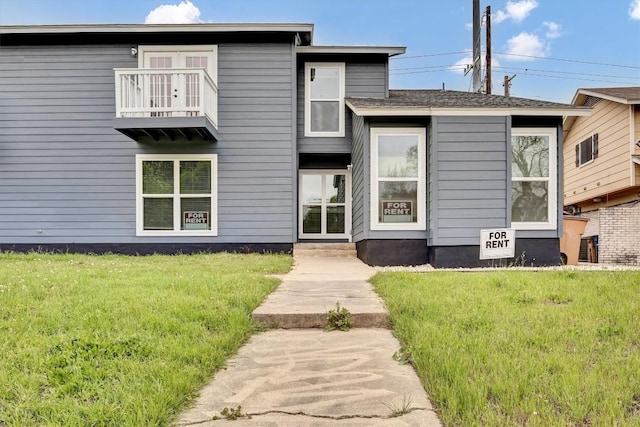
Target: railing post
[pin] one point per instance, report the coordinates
(118, 95)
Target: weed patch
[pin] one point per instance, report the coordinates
(339, 318)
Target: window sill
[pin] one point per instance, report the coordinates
(324, 134)
(398, 227)
(180, 233)
(533, 226)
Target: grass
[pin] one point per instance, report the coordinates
(115, 340)
(522, 348)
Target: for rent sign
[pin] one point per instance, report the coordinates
(196, 220)
(497, 243)
(397, 211)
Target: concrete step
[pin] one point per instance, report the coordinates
(305, 304)
(295, 320)
(324, 249)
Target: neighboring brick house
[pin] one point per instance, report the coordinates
(602, 170)
(247, 137)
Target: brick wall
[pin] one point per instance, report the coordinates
(619, 234)
(593, 226)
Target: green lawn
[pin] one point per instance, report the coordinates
(115, 340)
(522, 348)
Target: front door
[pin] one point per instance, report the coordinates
(177, 93)
(324, 204)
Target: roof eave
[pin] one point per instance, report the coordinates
(586, 92)
(386, 50)
(470, 111)
(150, 28)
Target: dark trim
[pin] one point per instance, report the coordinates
(151, 248)
(536, 121)
(529, 253)
(159, 37)
(392, 252)
(324, 161)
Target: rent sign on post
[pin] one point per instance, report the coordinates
(497, 243)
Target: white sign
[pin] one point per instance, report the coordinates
(196, 220)
(497, 243)
(397, 211)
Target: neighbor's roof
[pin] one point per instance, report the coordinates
(622, 95)
(449, 102)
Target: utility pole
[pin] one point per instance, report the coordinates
(507, 84)
(477, 66)
(488, 76)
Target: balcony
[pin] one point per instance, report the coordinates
(160, 105)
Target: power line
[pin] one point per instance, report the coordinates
(576, 78)
(433, 54)
(527, 71)
(576, 61)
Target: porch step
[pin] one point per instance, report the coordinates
(325, 249)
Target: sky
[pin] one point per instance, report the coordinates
(548, 48)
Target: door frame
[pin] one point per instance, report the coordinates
(347, 205)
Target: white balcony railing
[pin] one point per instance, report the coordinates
(175, 92)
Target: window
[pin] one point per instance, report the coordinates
(324, 99)
(176, 195)
(587, 150)
(398, 174)
(534, 179)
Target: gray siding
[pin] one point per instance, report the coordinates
(361, 80)
(359, 178)
(66, 176)
(432, 176)
(469, 188)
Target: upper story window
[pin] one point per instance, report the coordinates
(176, 195)
(534, 176)
(324, 99)
(587, 150)
(398, 174)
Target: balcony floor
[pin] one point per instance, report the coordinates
(167, 129)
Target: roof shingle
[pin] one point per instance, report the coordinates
(452, 99)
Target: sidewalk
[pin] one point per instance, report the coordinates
(307, 377)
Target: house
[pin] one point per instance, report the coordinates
(602, 170)
(248, 137)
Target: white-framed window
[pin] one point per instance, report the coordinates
(324, 99)
(587, 150)
(398, 174)
(176, 195)
(534, 175)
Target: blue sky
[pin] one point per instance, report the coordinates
(554, 46)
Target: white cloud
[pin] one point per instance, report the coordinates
(526, 44)
(515, 11)
(634, 9)
(183, 13)
(554, 30)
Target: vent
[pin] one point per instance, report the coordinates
(591, 101)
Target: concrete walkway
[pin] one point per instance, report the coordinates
(307, 377)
